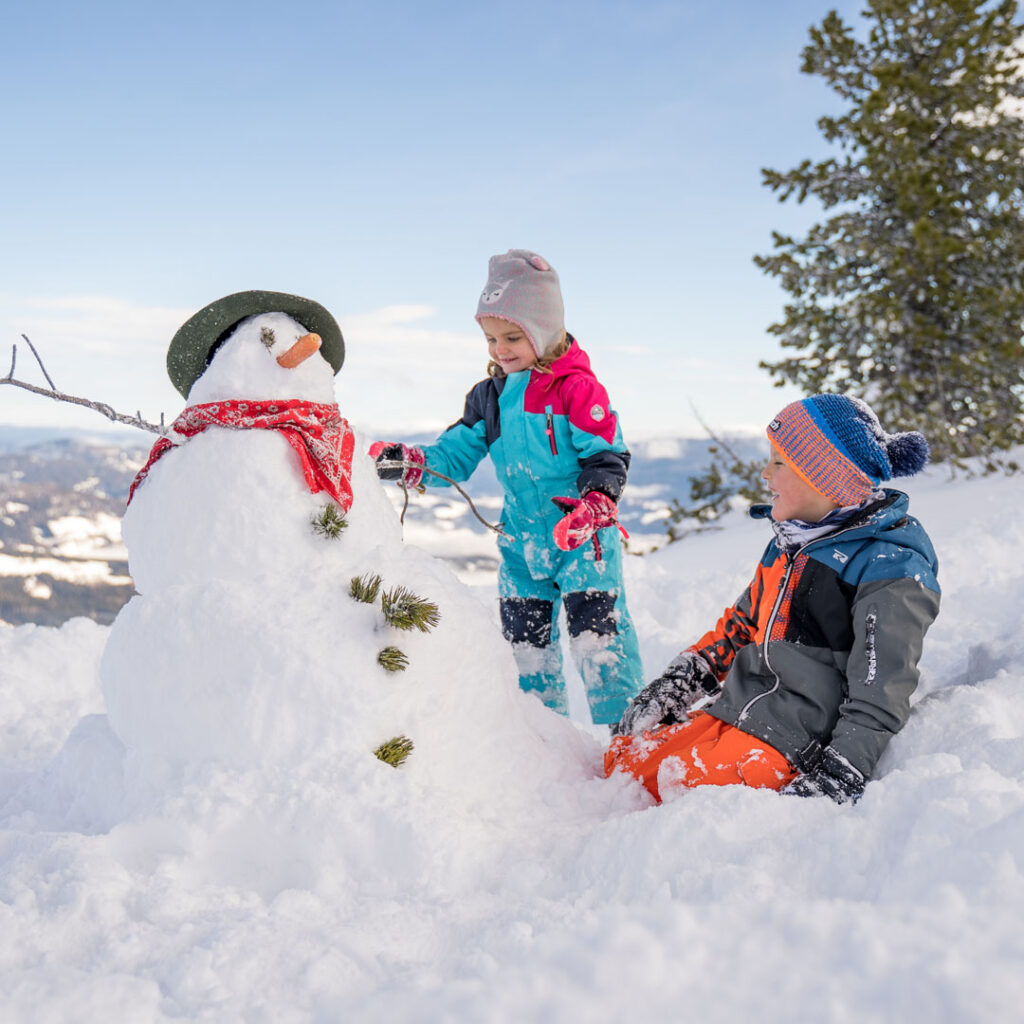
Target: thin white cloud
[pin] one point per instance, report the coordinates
(89, 324)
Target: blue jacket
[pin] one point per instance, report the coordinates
(822, 647)
(548, 434)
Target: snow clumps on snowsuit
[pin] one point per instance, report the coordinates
(550, 432)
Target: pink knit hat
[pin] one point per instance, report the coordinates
(523, 288)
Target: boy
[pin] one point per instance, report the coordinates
(810, 672)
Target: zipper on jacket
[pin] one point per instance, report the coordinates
(745, 710)
(550, 429)
(791, 559)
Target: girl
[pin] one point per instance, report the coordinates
(545, 421)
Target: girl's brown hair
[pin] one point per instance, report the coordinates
(543, 365)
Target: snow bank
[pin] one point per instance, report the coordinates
(496, 876)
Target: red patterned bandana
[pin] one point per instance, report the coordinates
(322, 439)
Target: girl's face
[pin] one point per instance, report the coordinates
(792, 498)
(507, 344)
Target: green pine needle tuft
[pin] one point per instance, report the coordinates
(365, 588)
(392, 659)
(329, 521)
(405, 610)
(395, 751)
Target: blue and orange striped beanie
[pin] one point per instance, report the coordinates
(836, 445)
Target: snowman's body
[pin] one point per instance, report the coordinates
(245, 650)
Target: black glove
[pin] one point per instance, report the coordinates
(667, 700)
(388, 453)
(833, 777)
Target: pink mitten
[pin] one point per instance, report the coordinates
(583, 518)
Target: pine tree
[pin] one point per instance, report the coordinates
(727, 477)
(911, 295)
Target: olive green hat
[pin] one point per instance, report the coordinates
(195, 341)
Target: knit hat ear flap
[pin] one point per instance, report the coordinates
(908, 453)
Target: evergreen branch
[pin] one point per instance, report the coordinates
(405, 610)
(365, 588)
(395, 751)
(329, 522)
(392, 660)
(720, 442)
(60, 396)
(401, 464)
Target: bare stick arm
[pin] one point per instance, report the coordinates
(60, 396)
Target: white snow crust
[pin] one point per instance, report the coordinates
(199, 831)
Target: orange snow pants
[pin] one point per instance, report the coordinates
(701, 752)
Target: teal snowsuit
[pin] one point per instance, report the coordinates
(549, 435)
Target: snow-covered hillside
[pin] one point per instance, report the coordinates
(306, 891)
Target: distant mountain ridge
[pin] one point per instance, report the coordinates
(60, 540)
(62, 498)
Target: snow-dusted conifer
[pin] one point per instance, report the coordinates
(393, 660)
(395, 751)
(329, 521)
(365, 588)
(405, 610)
(911, 294)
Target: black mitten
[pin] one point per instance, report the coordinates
(667, 700)
(833, 777)
(389, 453)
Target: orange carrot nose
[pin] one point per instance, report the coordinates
(300, 351)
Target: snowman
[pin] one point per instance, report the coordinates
(254, 644)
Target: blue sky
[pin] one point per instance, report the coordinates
(372, 156)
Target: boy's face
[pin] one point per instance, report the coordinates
(507, 344)
(793, 498)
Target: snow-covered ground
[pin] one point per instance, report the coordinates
(335, 888)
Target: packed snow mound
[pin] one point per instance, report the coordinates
(273, 892)
(245, 674)
(233, 505)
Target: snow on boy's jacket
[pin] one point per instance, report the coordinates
(822, 647)
(547, 434)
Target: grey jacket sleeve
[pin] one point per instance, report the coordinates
(890, 619)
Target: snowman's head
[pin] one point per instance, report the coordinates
(266, 357)
(203, 336)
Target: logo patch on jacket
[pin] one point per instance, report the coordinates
(597, 413)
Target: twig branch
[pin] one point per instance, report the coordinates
(714, 437)
(40, 362)
(402, 464)
(60, 396)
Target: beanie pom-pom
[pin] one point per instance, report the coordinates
(908, 453)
